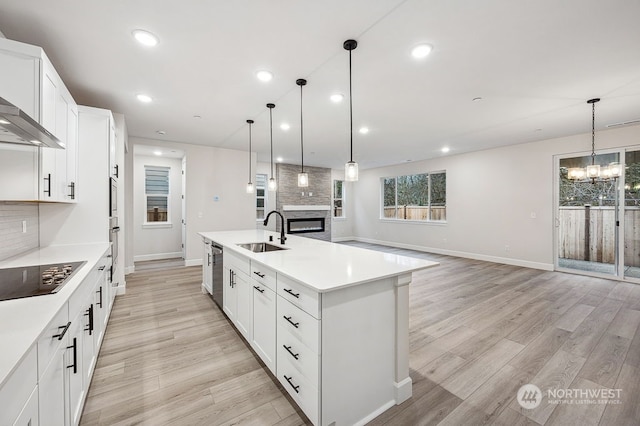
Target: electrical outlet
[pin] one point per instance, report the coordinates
(24, 226)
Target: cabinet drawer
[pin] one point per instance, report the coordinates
(262, 274)
(54, 335)
(301, 296)
(79, 297)
(301, 390)
(299, 324)
(237, 262)
(300, 356)
(16, 390)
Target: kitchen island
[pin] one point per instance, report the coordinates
(330, 321)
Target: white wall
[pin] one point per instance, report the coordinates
(490, 197)
(157, 241)
(211, 172)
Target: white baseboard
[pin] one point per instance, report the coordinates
(129, 270)
(193, 262)
(341, 239)
(157, 256)
(466, 255)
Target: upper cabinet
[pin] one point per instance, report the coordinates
(29, 81)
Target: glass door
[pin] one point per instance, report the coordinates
(631, 246)
(587, 222)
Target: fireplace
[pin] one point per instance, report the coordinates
(304, 225)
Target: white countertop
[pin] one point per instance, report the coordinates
(23, 320)
(320, 265)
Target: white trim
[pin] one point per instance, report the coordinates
(193, 262)
(340, 239)
(156, 225)
(129, 270)
(157, 256)
(419, 222)
(306, 208)
(466, 255)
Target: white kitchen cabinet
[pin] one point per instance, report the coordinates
(264, 324)
(16, 393)
(75, 377)
(114, 168)
(29, 414)
(207, 267)
(52, 382)
(244, 310)
(237, 293)
(31, 82)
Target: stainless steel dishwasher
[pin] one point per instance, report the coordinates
(217, 271)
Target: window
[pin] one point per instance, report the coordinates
(338, 197)
(156, 188)
(261, 199)
(420, 197)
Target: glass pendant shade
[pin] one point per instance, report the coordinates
(593, 171)
(272, 185)
(250, 188)
(303, 180)
(351, 171)
(615, 170)
(576, 173)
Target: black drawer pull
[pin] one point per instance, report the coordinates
(99, 303)
(72, 185)
(48, 190)
(295, 324)
(296, 295)
(63, 332)
(258, 288)
(90, 315)
(75, 356)
(259, 274)
(295, 388)
(288, 348)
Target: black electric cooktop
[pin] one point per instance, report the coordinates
(38, 280)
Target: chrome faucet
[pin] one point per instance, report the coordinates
(266, 221)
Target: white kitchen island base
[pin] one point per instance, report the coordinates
(330, 321)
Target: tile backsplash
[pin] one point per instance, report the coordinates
(13, 240)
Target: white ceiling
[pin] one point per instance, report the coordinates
(534, 64)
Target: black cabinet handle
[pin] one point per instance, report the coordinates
(295, 324)
(63, 332)
(75, 356)
(90, 315)
(48, 190)
(116, 170)
(101, 268)
(258, 274)
(295, 388)
(100, 301)
(72, 185)
(258, 288)
(296, 295)
(288, 348)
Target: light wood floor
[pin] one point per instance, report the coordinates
(478, 331)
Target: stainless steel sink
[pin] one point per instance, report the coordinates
(260, 247)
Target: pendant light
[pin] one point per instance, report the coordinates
(303, 178)
(250, 184)
(272, 185)
(351, 168)
(594, 172)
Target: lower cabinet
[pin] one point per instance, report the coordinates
(264, 324)
(50, 384)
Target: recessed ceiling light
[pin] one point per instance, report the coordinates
(364, 130)
(279, 159)
(285, 126)
(145, 38)
(161, 132)
(144, 98)
(264, 75)
(197, 116)
(337, 98)
(4, 122)
(445, 149)
(157, 152)
(421, 51)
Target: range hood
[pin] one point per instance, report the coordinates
(17, 127)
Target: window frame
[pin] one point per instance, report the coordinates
(429, 205)
(264, 197)
(343, 216)
(159, 224)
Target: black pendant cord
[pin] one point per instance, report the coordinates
(250, 123)
(301, 135)
(350, 111)
(271, 106)
(593, 133)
